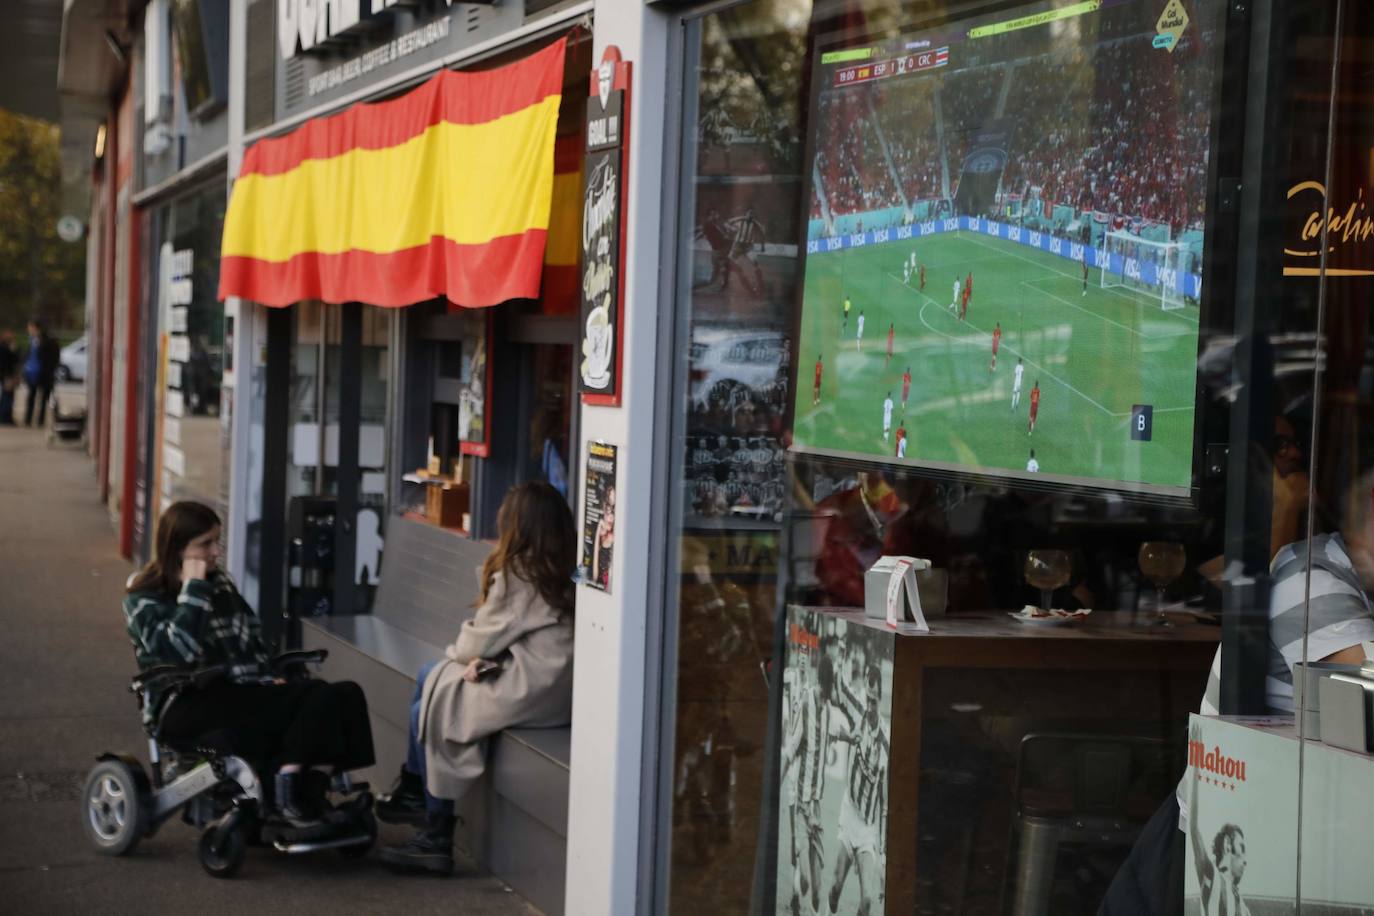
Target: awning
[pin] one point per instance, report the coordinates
(444, 191)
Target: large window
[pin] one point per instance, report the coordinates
(940, 294)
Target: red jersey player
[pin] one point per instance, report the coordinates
(901, 440)
(891, 329)
(906, 386)
(996, 342)
(1034, 406)
(816, 389)
(923, 276)
(963, 301)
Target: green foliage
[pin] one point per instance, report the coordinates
(40, 275)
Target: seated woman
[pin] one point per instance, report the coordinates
(510, 666)
(182, 609)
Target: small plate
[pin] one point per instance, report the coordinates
(1044, 621)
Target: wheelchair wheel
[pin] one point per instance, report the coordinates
(222, 850)
(114, 807)
(368, 823)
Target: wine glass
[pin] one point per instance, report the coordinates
(1162, 562)
(1047, 570)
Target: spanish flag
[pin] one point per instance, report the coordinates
(444, 191)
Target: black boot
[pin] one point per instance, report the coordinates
(430, 849)
(291, 799)
(404, 803)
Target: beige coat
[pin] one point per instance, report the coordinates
(516, 627)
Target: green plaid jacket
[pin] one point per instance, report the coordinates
(206, 623)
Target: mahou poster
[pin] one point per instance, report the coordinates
(1241, 792)
(837, 727)
(598, 516)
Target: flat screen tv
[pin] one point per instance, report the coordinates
(1003, 262)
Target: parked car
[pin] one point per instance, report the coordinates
(72, 366)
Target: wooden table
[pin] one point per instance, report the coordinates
(980, 661)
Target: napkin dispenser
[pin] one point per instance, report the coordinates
(879, 576)
(1347, 712)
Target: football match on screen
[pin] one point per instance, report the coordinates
(1005, 245)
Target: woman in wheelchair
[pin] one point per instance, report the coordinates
(183, 610)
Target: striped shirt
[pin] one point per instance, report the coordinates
(814, 726)
(1342, 616)
(866, 780)
(206, 623)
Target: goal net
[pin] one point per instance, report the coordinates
(1149, 267)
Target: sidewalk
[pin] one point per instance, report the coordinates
(65, 664)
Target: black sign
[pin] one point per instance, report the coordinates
(601, 214)
(1142, 422)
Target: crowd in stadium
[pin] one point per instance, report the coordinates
(1118, 128)
(856, 175)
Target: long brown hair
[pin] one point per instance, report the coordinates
(180, 524)
(538, 543)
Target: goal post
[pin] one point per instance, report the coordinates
(1150, 267)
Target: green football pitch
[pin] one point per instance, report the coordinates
(1095, 357)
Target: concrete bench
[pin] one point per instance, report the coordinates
(516, 821)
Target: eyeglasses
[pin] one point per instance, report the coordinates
(1283, 442)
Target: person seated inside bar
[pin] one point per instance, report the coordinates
(1333, 607)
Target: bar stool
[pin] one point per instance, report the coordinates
(1073, 788)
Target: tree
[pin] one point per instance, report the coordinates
(40, 275)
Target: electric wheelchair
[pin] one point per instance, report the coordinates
(219, 793)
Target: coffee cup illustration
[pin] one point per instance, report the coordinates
(596, 346)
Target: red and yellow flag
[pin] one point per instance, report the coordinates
(444, 191)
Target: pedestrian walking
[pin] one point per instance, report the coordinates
(40, 369)
(9, 377)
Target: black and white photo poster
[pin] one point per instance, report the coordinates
(837, 726)
(598, 516)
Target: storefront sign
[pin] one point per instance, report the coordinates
(598, 517)
(305, 25)
(328, 49)
(603, 230)
(1349, 227)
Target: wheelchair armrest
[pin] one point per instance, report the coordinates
(298, 658)
(140, 682)
(171, 675)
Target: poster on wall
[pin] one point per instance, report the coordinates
(475, 383)
(837, 726)
(603, 236)
(598, 517)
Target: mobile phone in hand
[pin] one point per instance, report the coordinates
(486, 666)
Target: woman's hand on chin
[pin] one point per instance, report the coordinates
(192, 568)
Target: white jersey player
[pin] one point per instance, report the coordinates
(906, 274)
(1033, 466)
(901, 447)
(887, 416)
(859, 336)
(955, 301)
(1016, 383)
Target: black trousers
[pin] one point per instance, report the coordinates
(38, 398)
(1150, 882)
(313, 723)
